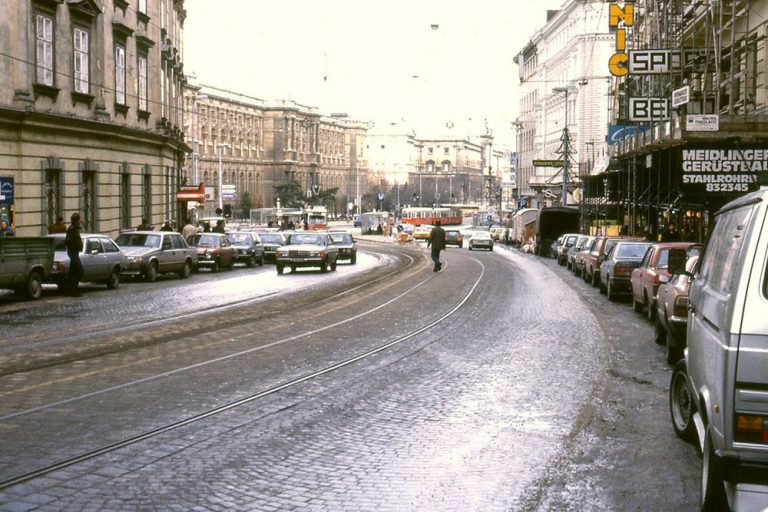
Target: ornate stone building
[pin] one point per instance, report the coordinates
(259, 145)
(90, 112)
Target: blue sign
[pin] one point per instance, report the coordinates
(6, 191)
(619, 132)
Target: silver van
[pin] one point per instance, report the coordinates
(719, 390)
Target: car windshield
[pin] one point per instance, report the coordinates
(341, 238)
(306, 239)
(272, 239)
(452, 233)
(203, 241)
(481, 235)
(138, 240)
(240, 238)
(632, 250)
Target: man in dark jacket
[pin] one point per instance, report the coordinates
(671, 234)
(74, 245)
(437, 242)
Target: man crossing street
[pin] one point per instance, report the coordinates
(437, 242)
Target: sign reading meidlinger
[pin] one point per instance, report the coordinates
(723, 170)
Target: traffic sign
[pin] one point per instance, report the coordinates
(381, 196)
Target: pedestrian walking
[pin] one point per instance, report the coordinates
(166, 226)
(219, 228)
(145, 225)
(5, 229)
(437, 242)
(670, 234)
(58, 226)
(189, 229)
(74, 243)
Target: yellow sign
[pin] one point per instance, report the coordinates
(547, 163)
(620, 17)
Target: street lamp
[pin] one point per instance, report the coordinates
(221, 146)
(566, 144)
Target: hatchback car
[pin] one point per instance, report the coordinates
(454, 237)
(480, 240)
(617, 268)
(307, 250)
(150, 253)
(102, 260)
(574, 250)
(248, 246)
(214, 251)
(672, 311)
(346, 245)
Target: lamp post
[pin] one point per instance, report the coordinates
(221, 146)
(566, 145)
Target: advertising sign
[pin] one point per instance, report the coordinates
(723, 170)
(681, 96)
(661, 61)
(648, 109)
(6, 191)
(619, 132)
(547, 163)
(702, 123)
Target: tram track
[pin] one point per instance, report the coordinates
(328, 368)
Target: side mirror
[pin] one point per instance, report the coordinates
(677, 259)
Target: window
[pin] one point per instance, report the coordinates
(125, 198)
(44, 49)
(143, 83)
(81, 61)
(724, 249)
(147, 193)
(120, 74)
(52, 195)
(143, 6)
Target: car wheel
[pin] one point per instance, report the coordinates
(674, 351)
(216, 266)
(660, 333)
(470, 247)
(681, 406)
(587, 278)
(637, 306)
(252, 261)
(491, 249)
(712, 489)
(151, 274)
(113, 281)
(353, 259)
(650, 309)
(595, 279)
(601, 286)
(279, 269)
(324, 266)
(609, 291)
(186, 270)
(333, 266)
(293, 268)
(34, 286)
(231, 265)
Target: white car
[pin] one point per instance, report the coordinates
(102, 260)
(481, 240)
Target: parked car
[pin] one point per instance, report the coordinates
(150, 253)
(573, 250)
(672, 311)
(422, 232)
(214, 251)
(562, 252)
(596, 257)
(103, 261)
(346, 245)
(616, 270)
(718, 393)
(248, 246)
(579, 257)
(454, 237)
(271, 242)
(555, 247)
(310, 249)
(646, 278)
(480, 240)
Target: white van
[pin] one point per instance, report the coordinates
(719, 390)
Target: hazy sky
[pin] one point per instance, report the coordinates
(377, 61)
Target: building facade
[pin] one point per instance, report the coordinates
(563, 90)
(688, 113)
(90, 112)
(245, 144)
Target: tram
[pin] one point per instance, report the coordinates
(426, 215)
(316, 217)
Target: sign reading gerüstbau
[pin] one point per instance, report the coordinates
(723, 170)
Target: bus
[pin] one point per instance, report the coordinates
(316, 217)
(427, 215)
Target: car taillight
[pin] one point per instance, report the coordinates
(622, 270)
(681, 306)
(751, 429)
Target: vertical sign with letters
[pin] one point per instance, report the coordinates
(620, 17)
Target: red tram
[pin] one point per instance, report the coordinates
(427, 215)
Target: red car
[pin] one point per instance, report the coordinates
(672, 312)
(646, 278)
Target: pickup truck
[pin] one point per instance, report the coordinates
(24, 263)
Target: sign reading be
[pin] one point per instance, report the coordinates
(648, 109)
